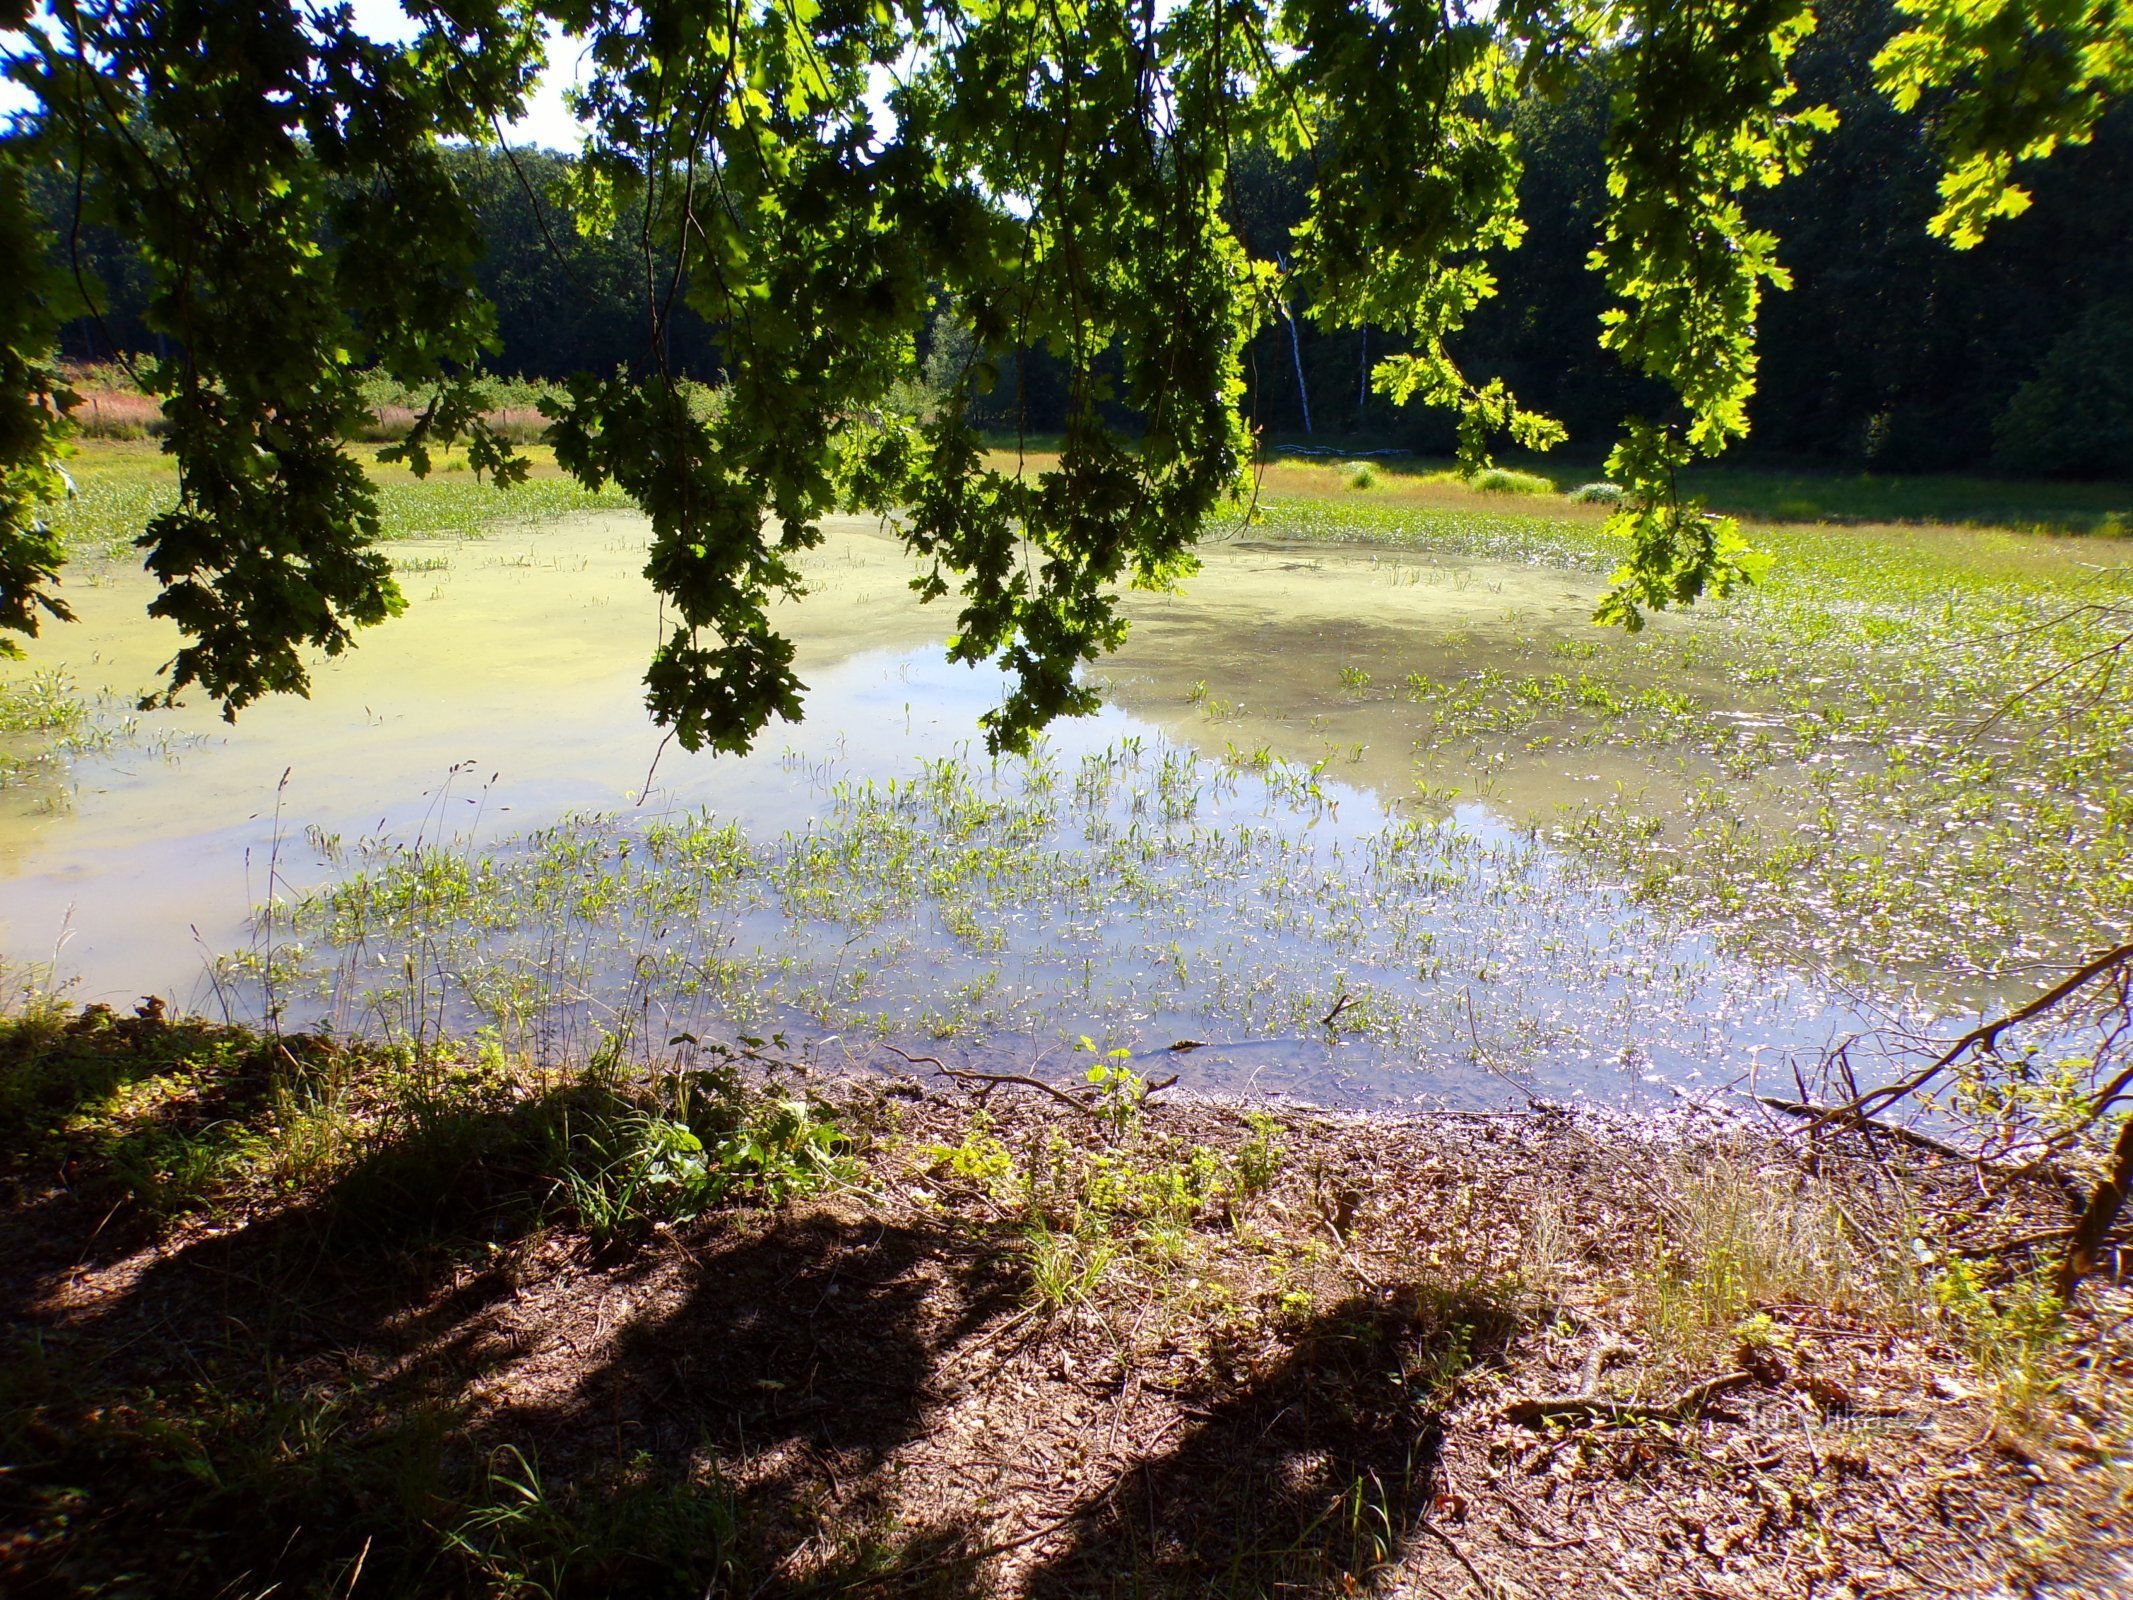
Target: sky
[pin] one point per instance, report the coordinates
(547, 121)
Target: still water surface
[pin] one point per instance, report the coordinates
(1234, 846)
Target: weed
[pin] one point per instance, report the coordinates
(1736, 1238)
(639, 1530)
(1121, 1092)
(2015, 1331)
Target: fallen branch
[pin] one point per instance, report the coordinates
(993, 1080)
(1986, 1035)
(1846, 1117)
(1588, 1405)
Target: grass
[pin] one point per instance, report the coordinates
(1341, 1294)
(1506, 480)
(120, 485)
(1814, 780)
(185, 1119)
(1762, 496)
(971, 903)
(1904, 741)
(1735, 1234)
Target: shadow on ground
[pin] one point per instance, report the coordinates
(404, 1384)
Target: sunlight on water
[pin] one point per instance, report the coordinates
(1116, 885)
(457, 833)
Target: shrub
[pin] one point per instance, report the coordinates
(1502, 480)
(1361, 475)
(2075, 417)
(1598, 494)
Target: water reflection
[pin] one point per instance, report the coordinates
(459, 833)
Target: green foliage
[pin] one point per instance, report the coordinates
(2033, 76)
(1060, 181)
(2014, 1330)
(33, 404)
(1121, 1093)
(622, 1167)
(1701, 117)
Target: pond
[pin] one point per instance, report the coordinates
(472, 829)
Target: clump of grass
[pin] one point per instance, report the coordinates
(44, 703)
(634, 1528)
(1360, 475)
(1601, 493)
(1734, 1237)
(168, 1116)
(1065, 1265)
(1504, 480)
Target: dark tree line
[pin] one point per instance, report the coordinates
(1891, 350)
(568, 297)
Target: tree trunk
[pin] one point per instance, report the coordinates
(2098, 1215)
(1303, 394)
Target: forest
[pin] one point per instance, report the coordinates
(1891, 352)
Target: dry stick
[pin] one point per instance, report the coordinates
(1487, 1588)
(1987, 1034)
(1597, 1408)
(1845, 1117)
(1588, 1402)
(965, 1075)
(2029, 1241)
(1342, 1004)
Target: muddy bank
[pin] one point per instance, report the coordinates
(994, 1344)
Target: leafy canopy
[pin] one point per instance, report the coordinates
(811, 177)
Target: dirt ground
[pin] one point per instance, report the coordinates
(995, 1362)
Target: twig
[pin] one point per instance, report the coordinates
(994, 1079)
(1487, 1588)
(1986, 1035)
(1846, 1117)
(1342, 1004)
(1589, 1407)
(1527, 1544)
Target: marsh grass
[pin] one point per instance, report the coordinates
(970, 903)
(1505, 480)
(1899, 755)
(1734, 1236)
(119, 486)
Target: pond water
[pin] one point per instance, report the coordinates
(472, 825)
